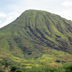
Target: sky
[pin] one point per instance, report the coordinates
(11, 9)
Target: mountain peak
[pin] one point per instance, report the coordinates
(36, 38)
(42, 28)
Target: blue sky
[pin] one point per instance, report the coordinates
(11, 9)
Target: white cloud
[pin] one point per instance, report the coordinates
(0, 21)
(2, 14)
(23, 5)
(67, 14)
(67, 3)
(10, 17)
(20, 6)
(15, 14)
(36, 4)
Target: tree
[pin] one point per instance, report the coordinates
(2, 70)
(19, 70)
(13, 68)
(67, 67)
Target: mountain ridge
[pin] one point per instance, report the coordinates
(36, 38)
(44, 26)
(35, 28)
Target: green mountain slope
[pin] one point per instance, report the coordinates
(40, 28)
(37, 35)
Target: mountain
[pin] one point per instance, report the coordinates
(37, 34)
(39, 28)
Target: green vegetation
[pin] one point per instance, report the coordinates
(34, 40)
(2, 70)
(44, 68)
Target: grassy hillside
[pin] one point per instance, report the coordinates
(39, 27)
(37, 38)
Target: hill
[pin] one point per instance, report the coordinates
(37, 34)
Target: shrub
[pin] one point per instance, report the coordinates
(45, 69)
(35, 69)
(7, 61)
(2, 70)
(67, 67)
(58, 61)
(18, 70)
(13, 68)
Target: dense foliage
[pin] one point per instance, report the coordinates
(34, 30)
(35, 39)
(45, 68)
